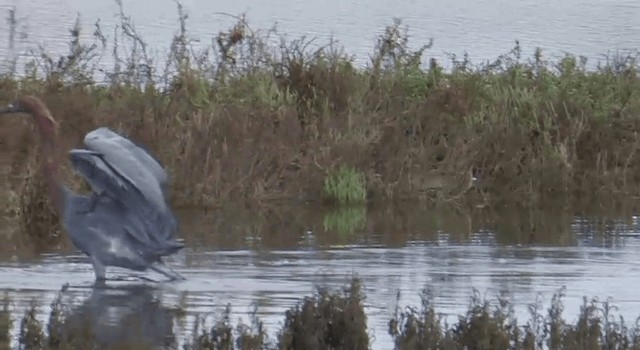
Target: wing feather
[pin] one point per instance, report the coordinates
(121, 151)
(111, 220)
(104, 180)
(99, 174)
(115, 166)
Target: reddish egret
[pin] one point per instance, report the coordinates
(126, 221)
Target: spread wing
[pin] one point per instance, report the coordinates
(129, 159)
(116, 167)
(100, 175)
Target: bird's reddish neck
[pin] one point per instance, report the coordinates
(50, 162)
(56, 188)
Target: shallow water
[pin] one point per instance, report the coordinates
(484, 29)
(274, 265)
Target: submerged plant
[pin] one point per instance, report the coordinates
(345, 220)
(6, 323)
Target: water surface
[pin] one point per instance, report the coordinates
(273, 264)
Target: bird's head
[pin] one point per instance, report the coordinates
(47, 126)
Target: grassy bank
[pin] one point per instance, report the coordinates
(329, 319)
(250, 120)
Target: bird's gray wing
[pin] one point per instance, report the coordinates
(125, 155)
(100, 176)
(136, 165)
(113, 232)
(157, 218)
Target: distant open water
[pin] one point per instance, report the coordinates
(483, 29)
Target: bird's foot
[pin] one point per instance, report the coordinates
(103, 282)
(132, 278)
(147, 279)
(173, 276)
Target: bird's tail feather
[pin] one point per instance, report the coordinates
(171, 247)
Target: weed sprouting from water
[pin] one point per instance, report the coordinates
(495, 327)
(32, 335)
(327, 320)
(222, 334)
(483, 327)
(337, 320)
(6, 323)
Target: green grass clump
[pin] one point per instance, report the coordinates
(346, 186)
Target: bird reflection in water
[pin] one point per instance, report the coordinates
(128, 315)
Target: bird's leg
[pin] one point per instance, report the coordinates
(175, 274)
(130, 278)
(100, 283)
(143, 278)
(99, 269)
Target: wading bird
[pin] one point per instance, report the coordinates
(126, 221)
